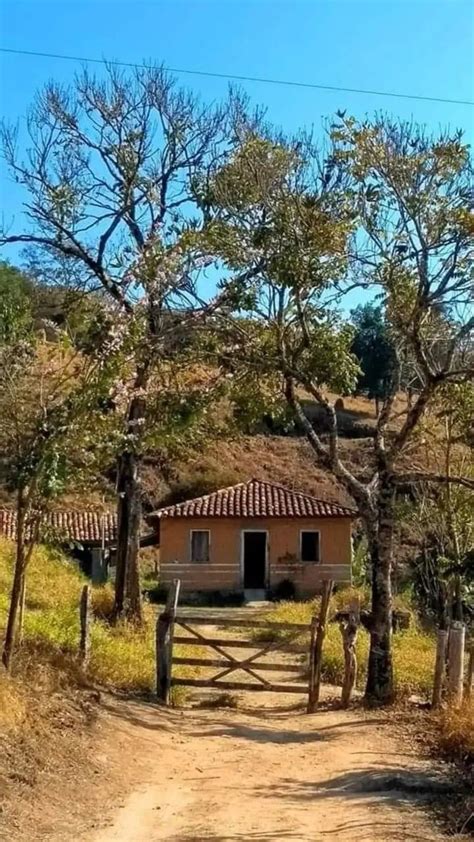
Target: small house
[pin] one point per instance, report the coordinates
(252, 537)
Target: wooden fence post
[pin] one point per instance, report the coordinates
(440, 667)
(349, 631)
(470, 671)
(84, 640)
(317, 639)
(311, 682)
(164, 644)
(456, 662)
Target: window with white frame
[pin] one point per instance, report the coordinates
(200, 545)
(310, 545)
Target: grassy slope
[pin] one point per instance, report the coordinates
(122, 657)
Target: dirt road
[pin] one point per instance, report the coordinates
(267, 774)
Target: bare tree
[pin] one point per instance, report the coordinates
(111, 177)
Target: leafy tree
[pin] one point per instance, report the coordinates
(386, 208)
(375, 352)
(52, 427)
(112, 179)
(15, 309)
(442, 517)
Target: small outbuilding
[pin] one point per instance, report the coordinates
(251, 538)
(87, 535)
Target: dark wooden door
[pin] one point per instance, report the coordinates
(255, 560)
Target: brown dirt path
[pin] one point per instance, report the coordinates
(262, 774)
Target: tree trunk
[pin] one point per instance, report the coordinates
(379, 687)
(127, 580)
(18, 578)
(21, 614)
(349, 636)
(129, 510)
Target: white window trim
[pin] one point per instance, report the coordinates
(315, 561)
(191, 559)
(267, 554)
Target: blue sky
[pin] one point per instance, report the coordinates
(409, 46)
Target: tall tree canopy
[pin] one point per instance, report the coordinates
(388, 208)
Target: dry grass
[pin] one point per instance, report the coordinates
(12, 703)
(413, 649)
(454, 731)
(122, 657)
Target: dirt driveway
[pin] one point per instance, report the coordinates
(266, 774)
(263, 771)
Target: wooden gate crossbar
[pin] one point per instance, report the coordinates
(228, 663)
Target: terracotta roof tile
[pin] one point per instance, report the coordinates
(82, 526)
(256, 498)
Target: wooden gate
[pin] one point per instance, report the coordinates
(170, 627)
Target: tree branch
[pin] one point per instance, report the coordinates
(415, 476)
(327, 457)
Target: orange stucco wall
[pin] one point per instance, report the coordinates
(224, 570)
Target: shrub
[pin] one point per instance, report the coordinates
(284, 591)
(157, 594)
(103, 601)
(454, 731)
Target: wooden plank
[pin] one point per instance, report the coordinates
(470, 672)
(164, 644)
(440, 667)
(84, 616)
(221, 662)
(238, 644)
(238, 685)
(240, 624)
(457, 633)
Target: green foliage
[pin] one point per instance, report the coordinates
(374, 351)
(414, 195)
(16, 318)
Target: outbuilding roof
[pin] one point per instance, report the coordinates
(256, 498)
(89, 527)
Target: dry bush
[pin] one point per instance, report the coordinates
(454, 731)
(12, 702)
(103, 602)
